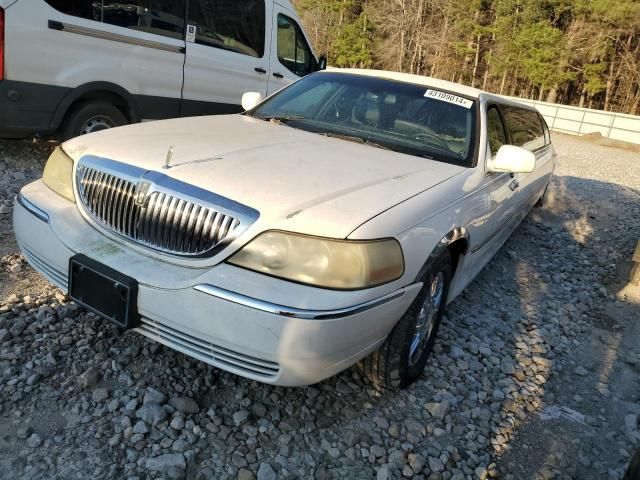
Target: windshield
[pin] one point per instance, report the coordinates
(403, 117)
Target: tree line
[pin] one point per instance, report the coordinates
(576, 52)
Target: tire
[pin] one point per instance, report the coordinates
(91, 117)
(633, 472)
(396, 364)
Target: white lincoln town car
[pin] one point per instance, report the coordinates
(330, 223)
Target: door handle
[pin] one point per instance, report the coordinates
(278, 75)
(260, 70)
(514, 185)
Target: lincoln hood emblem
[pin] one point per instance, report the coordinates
(167, 161)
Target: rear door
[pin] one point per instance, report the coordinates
(291, 56)
(227, 54)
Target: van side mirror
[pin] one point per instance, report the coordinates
(512, 159)
(322, 62)
(251, 99)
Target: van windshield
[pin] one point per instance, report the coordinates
(404, 117)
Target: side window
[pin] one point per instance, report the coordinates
(525, 127)
(495, 130)
(238, 26)
(78, 8)
(162, 17)
(293, 51)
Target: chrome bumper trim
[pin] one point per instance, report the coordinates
(31, 208)
(55, 276)
(291, 312)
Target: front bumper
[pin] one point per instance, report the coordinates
(206, 318)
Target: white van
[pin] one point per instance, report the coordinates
(78, 66)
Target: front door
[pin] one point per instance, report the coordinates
(291, 56)
(227, 54)
(500, 213)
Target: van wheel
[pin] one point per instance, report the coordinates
(91, 117)
(402, 357)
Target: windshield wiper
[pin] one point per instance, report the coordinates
(355, 138)
(279, 118)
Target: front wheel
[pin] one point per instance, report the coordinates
(402, 357)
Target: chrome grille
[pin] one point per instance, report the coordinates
(154, 217)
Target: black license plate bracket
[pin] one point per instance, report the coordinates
(104, 291)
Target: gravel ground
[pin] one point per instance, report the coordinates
(536, 373)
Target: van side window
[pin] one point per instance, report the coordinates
(162, 17)
(78, 8)
(293, 50)
(495, 130)
(238, 26)
(525, 127)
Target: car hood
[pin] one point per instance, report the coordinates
(298, 181)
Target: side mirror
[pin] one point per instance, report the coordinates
(251, 99)
(322, 62)
(512, 159)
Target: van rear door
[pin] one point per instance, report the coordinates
(291, 56)
(227, 54)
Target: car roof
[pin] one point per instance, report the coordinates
(431, 82)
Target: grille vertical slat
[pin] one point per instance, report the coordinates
(108, 199)
(89, 185)
(191, 225)
(163, 222)
(154, 219)
(129, 210)
(206, 226)
(156, 225)
(117, 210)
(184, 220)
(215, 227)
(175, 225)
(197, 231)
(97, 200)
(224, 228)
(166, 235)
(122, 208)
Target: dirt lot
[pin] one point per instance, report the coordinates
(536, 372)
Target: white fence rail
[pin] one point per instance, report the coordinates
(580, 121)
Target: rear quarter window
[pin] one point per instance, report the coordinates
(525, 127)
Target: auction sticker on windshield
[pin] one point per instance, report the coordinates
(449, 98)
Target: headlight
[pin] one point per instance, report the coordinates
(322, 262)
(58, 174)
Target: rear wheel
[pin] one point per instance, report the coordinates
(402, 357)
(90, 117)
